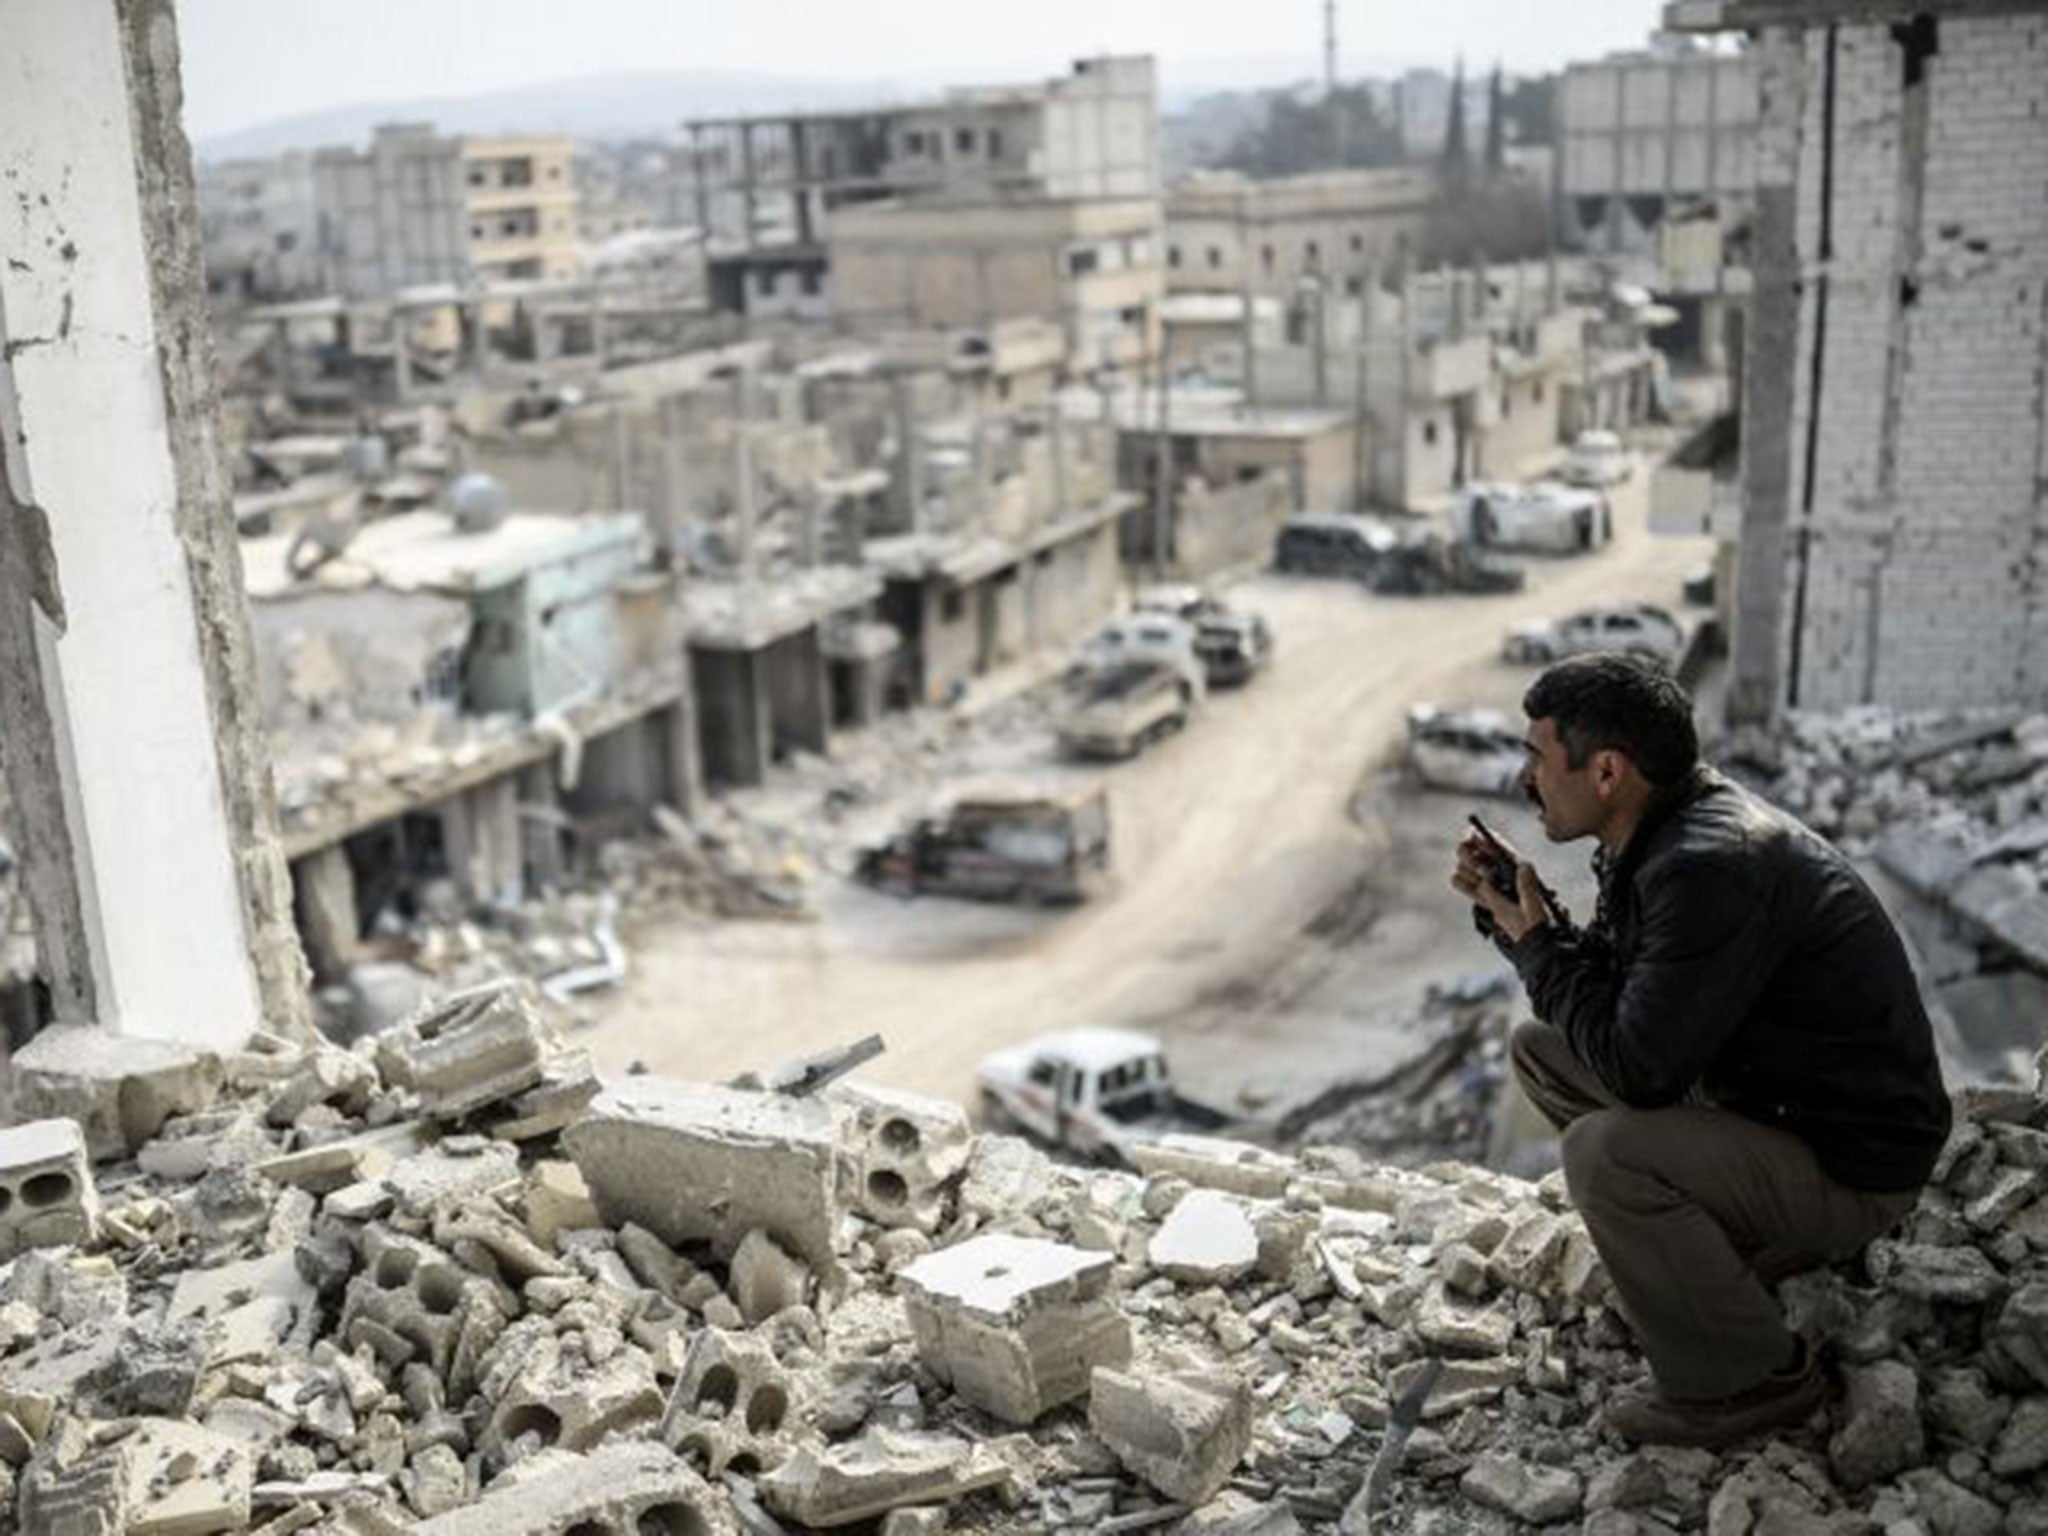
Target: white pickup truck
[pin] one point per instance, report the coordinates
(1095, 1092)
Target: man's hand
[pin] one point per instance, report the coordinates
(1513, 916)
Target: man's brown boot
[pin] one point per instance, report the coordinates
(1782, 1400)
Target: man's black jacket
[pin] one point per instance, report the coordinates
(1736, 951)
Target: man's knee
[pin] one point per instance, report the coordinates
(1600, 1153)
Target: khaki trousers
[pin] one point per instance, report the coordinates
(1697, 1212)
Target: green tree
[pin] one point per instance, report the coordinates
(1456, 165)
(1496, 125)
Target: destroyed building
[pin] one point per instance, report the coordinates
(1893, 415)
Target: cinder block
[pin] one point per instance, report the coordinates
(471, 1050)
(47, 1196)
(905, 1154)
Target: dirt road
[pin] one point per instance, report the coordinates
(1268, 919)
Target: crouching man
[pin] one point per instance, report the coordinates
(1733, 1047)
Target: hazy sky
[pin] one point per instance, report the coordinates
(248, 61)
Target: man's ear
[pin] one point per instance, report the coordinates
(1610, 771)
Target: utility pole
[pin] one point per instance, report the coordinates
(1330, 103)
(1162, 488)
(1248, 311)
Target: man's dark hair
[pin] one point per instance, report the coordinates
(1611, 702)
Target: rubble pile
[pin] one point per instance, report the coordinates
(1437, 1103)
(1947, 815)
(441, 1282)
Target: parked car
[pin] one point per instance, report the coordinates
(1426, 563)
(1332, 544)
(1543, 515)
(1095, 1092)
(1232, 645)
(1164, 638)
(1698, 587)
(1118, 710)
(1597, 458)
(1477, 751)
(1640, 629)
(1005, 843)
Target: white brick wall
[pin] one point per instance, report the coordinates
(1927, 582)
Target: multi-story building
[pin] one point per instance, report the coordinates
(768, 189)
(1644, 134)
(392, 216)
(521, 206)
(260, 226)
(1228, 232)
(1093, 265)
(1893, 510)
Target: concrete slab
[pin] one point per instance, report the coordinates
(696, 1163)
(1207, 1239)
(1014, 1324)
(625, 1486)
(118, 1088)
(835, 1485)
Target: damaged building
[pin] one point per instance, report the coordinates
(1894, 416)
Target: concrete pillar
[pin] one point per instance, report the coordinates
(682, 788)
(673, 512)
(799, 702)
(401, 353)
(733, 716)
(128, 719)
(500, 855)
(909, 460)
(459, 845)
(541, 824)
(329, 924)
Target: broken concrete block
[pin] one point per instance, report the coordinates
(47, 1198)
(250, 1305)
(1451, 1324)
(827, 1486)
(731, 1406)
(457, 1169)
(2018, 1338)
(625, 1486)
(1005, 1176)
(470, 1050)
(1925, 1272)
(118, 1088)
(568, 1084)
(1215, 1162)
(765, 1279)
(1528, 1257)
(906, 1153)
(412, 1301)
(557, 1200)
(1013, 1324)
(1881, 1433)
(1207, 1239)
(692, 1162)
(1183, 1432)
(1536, 1494)
(564, 1398)
(160, 1477)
